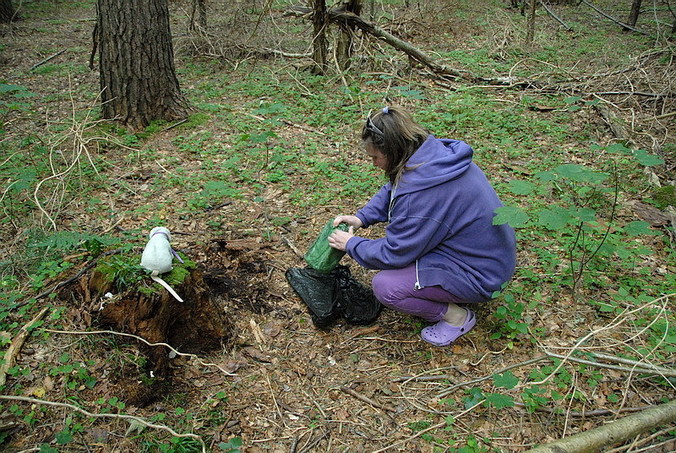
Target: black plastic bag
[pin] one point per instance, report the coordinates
(334, 294)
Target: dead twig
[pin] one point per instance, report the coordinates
(293, 247)
(365, 399)
(17, 343)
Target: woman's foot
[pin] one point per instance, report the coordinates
(443, 333)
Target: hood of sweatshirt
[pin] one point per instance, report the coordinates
(434, 163)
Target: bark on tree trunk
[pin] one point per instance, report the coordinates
(530, 34)
(138, 79)
(199, 8)
(7, 11)
(344, 47)
(319, 42)
(635, 10)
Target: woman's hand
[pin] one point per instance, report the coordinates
(338, 239)
(351, 220)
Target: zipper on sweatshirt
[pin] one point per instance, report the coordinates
(417, 278)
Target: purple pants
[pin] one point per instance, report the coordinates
(396, 289)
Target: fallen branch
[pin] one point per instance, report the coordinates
(484, 378)
(351, 20)
(641, 365)
(36, 65)
(129, 418)
(623, 25)
(584, 414)
(17, 343)
(551, 13)
(613, 433)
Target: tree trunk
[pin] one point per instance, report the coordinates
(635, 10)
(199, 8)
(614, 433)
(319, 41)
(344, 47)
(138, 79)
(530, 33)
(7, 11)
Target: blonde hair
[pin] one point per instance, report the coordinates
(393, 132)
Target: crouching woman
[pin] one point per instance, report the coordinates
(441, 252)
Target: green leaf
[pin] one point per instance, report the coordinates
(499, 401)
(637, 228)
(506, 380)
(555, 218)
(518, 187)
(572, 99)
(474, 398)
(64, 437)
(580, 173)
(511, 215)
(586, 214)
(618, 148)
(546, 176)
(649, 160)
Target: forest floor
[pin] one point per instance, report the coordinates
(280, 384)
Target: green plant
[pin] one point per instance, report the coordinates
(231, 446)
(583, 213)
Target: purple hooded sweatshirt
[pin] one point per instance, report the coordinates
(440, 217)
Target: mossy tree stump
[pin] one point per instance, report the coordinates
(142, 307)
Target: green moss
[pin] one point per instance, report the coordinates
(664, 196)
(179, 273)
(124, 271)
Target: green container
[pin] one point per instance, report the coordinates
(321, 256)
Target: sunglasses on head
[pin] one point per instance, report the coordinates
(372, 127)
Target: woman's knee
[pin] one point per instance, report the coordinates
(386, 290)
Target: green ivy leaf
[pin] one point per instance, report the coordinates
(546, 176)
(511, 215)
(618, 148)
(474, 398)
(572, 99)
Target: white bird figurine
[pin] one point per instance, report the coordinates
(158, 257)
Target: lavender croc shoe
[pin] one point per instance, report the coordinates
(443, 334)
